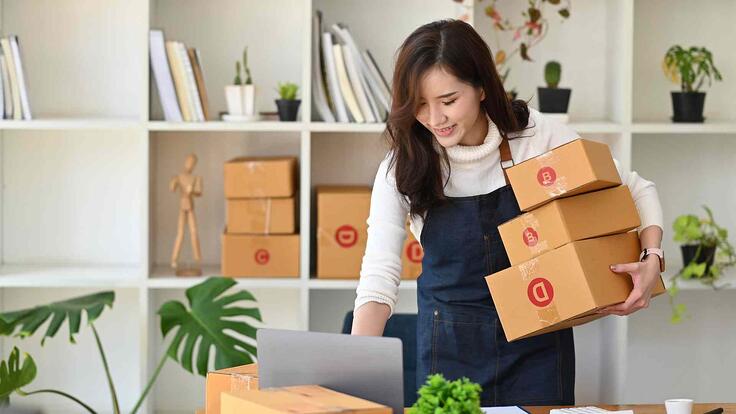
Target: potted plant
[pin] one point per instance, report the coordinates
(241, 96)
(706, 253)
(689, 68)
(234, 94)
(553, 99)
(288, 105)
(438, 395)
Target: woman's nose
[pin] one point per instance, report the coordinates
(436, 117)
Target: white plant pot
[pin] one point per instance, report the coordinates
(249, 100)
(234, 99)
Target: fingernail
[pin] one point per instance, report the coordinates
(612, 267)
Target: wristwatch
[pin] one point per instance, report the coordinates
(657, 252)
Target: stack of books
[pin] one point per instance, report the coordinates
(13, 92)
(348, 86)
(179, 79)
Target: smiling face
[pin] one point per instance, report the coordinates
(451, 109)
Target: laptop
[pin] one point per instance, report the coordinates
(368, 367)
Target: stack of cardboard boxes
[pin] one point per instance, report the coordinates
(260, 238)
(576, 224)
(342, 232)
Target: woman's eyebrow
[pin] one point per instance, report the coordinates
(446, 95)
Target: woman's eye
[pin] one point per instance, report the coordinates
(449, 102)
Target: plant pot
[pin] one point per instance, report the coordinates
(234, 99)
(249, 100)
(553, 100)
(688, 106)
(707, 255)
(288, 108)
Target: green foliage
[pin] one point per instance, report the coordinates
(439, 396)
(287, 90)
(690, 67)
(13, 375)
(237, 80)
(703, 232)
(27, 321)
(248, 80)
(552, 73)
(207, 320)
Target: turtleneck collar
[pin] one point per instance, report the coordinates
(472, 153)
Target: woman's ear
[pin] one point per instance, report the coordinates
(482, 94)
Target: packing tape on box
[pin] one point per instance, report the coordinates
(529, 220)
(252, 166)
(548, 314)
(267, 227)
(241, 382)
(558, 185)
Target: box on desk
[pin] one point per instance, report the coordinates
(261, 215)
(564, 287)
(235, 379)
(249, 255)
(577, 167)
(260, 177)
(342, 230)
(300, 399)
(562, 221)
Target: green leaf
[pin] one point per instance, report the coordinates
(534, 14)
(13, 375)
(523, 50)
(208, 323)
(29, 320)
(438, 395)
(564, 13)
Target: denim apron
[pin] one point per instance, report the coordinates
(458, 330)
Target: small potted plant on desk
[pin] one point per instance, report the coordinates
(706, 253)
(288, 105)
(689, 68)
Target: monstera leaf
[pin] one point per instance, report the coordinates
(29, 320)
(13, 376)
(209, 320)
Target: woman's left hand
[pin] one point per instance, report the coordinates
(645, 276)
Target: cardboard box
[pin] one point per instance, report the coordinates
(411, 256)
(577, 167)
(562, 221)
(261, 215)
(300, 399)
(342, 212)
(235, 379)
(260, 177)
(249, 255)
(563, 287)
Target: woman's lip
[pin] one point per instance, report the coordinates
(445, 134)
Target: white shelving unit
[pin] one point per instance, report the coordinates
(84, 204)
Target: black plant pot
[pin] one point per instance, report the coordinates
(553, 100)
(288, 108)
(707, 255)
(688, 106)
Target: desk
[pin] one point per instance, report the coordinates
(640, 408)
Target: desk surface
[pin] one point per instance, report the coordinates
(642, 408)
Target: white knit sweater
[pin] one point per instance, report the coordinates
(474, 170)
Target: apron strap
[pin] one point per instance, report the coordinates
(506, 159)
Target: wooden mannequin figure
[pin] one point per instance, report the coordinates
(189, 186)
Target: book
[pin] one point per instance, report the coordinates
(354, 76)
(162, 74)
(15, 93)
(318, 90)
(378, 76)
(177, 71)
(341, 111)
(345, 87)
(7, 94)
(194, 57)
(195, 105)
(2, 88)
(21, 77)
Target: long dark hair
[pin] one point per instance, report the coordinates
(457, 48)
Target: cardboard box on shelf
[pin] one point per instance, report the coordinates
(564, 287)
(235, 379)
(260, 177)
(261, 215)
(562, 221)
(342, 212)
(302, 399)
(411, 256)
(577, 167)
(251, 255)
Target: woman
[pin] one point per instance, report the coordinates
(450, 127)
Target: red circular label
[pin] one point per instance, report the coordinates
(414, 252)
(262, 256)
(540, 292)
(346, 236)
(530, 237)
(546, 176)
